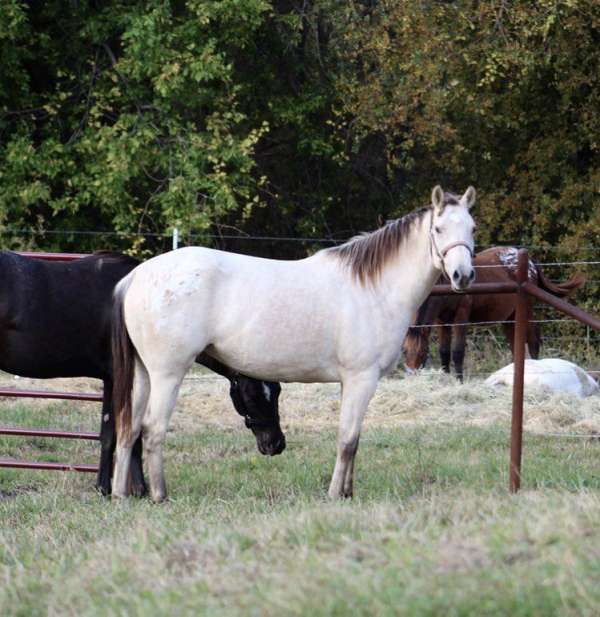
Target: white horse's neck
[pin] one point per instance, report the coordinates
(407, 279)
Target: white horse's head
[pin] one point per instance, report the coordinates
(452, 236)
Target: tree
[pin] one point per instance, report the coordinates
(125, 115)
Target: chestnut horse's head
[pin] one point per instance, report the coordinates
(416, 348)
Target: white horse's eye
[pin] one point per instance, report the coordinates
(438, 230)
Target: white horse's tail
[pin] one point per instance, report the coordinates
(123, 359)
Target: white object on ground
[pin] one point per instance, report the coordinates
(551, 373)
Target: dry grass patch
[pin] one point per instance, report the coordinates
(432, 397)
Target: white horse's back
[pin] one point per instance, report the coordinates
(277, 319)
(550, 373)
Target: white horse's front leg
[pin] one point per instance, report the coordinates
(357, 391)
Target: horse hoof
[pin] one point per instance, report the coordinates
(139, 490)
(157, 497)
(103, 490)
(342, 494)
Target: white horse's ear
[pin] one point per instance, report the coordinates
(437, 197)
(469, 197)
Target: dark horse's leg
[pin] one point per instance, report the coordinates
(534, 340)
(108, 443)
(533, 334)
(445, 346)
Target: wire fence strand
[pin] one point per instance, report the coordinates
(266, 238)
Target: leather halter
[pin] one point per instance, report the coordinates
(452, 245)
(257, 423)
(249, 421)
(442, 254)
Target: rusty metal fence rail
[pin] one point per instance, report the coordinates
(522, 288)
(47, 394)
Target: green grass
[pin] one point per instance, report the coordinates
(431, 531)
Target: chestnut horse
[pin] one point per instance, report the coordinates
(453, 313)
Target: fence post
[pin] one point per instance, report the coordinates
(175, 238)
(516, 440)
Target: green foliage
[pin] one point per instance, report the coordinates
(126, 116)
(299, 118)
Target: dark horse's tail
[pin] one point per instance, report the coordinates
(562, 290)
(123, 360)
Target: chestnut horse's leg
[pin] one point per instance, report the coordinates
(534, 339)
(459, 332)
(445, 346)
(509, 333)
(458, 350)
(533, 335)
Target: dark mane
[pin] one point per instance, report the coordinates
(367, 254)
(114, 255)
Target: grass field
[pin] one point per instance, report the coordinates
(431, 531)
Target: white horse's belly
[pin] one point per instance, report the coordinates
(275, 340)
(275, 367)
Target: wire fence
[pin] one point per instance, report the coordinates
(332, 240)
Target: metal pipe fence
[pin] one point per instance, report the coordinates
(47, 394)
(524, 289)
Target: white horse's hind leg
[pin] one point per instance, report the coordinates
(139, 403)
(163, 395)
(356, 394)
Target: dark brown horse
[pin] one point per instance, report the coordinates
(494, 265)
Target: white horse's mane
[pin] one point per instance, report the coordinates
(367, 254)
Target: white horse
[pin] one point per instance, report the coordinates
(340, 315)
(552, 374)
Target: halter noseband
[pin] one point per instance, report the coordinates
(255, 422)
(452, 245)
